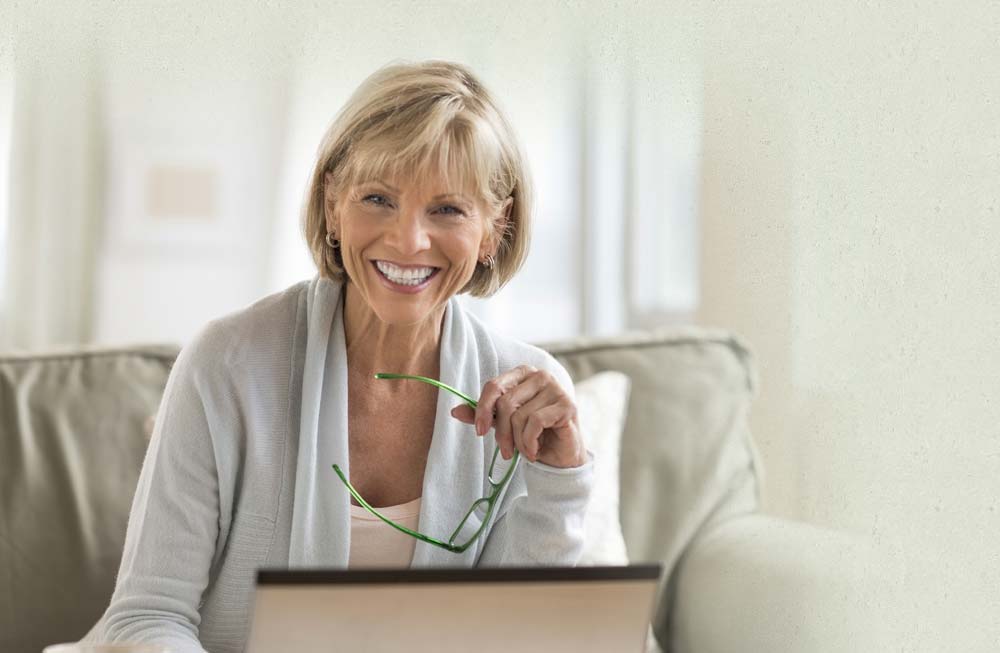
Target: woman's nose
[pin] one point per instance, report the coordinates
(408, 233)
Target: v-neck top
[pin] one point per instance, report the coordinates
(376, 544)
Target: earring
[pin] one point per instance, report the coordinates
(334, 243)
(489, 262)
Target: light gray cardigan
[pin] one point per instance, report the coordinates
(238, 473)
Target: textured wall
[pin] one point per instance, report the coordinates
(851, 191)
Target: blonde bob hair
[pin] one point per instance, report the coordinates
(431, 118)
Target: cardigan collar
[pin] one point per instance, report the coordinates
(457, 461)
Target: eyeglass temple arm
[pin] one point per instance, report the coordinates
(444, 386)
(420, 536)
(470, 401)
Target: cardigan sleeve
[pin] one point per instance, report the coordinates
(173, 526)
(541, 515)
(543, 526)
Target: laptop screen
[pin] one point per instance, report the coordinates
(580, 609)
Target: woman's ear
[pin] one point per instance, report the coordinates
(329, 204)
(332, 221)
(500, 226)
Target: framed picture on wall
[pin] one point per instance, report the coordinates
(175, 198)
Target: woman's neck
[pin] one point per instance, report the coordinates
(375, 346)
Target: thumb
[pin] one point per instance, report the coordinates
(464, 413)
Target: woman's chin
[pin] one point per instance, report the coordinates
(406, 306)
(401, 310)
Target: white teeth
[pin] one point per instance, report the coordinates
(405, 277)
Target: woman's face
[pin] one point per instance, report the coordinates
(408, 245)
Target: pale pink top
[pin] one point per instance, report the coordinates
(377, 544)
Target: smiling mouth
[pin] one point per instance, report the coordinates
(412, 276)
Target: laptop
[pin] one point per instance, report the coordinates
(487, 610)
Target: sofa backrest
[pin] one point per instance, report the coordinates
(71, 446)
(72, 443)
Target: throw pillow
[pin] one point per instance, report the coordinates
(602, 403)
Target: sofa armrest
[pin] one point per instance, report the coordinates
(761, 583)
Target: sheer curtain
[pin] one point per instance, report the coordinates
(611, 123)
(616, 152)
(54, 194)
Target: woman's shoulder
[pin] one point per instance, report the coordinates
(264, 329)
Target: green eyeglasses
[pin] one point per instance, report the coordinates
(489, 501)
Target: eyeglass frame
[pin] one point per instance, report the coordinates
(491, 500)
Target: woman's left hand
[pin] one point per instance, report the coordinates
(530, 411)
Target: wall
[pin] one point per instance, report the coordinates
(849, 213)
(204, 98)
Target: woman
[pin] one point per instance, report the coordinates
(420, 193)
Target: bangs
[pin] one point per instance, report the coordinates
(463, 156)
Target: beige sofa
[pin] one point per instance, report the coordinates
(72, 440)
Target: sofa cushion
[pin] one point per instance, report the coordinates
(71, 446)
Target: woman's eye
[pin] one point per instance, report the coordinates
(375, 199)
(451, 210)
